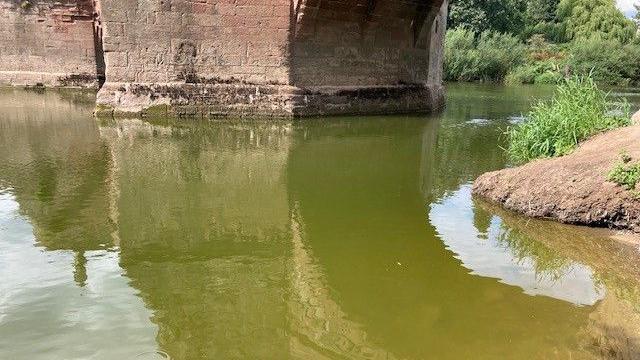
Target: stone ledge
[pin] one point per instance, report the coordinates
(259, 101)
(370, 100)
(45, 79)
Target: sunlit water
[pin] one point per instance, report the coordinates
(334, 238)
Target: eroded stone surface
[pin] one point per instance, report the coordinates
(223, 57)
(245, 100)
(49, 43)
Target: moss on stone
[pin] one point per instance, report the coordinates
(126, 114)
(156, 111)
(103, 111)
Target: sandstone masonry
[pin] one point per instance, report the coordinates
(211, 58)
(49, 43)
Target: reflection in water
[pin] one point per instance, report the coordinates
(62, 294)
(385, 264)
(614, 327)
(208, 254)
(490, 249)
(320, 329)
(343, 238)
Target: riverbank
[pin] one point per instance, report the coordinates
(574, 188)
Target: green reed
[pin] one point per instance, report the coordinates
(578, 110)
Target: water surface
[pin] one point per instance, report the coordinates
(321, 239)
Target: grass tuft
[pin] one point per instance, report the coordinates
(577, 111)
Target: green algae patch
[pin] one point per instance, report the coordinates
(103, 111)
(156, 111)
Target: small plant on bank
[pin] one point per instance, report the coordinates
(626, 174)
(577, 111)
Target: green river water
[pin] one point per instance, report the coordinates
(339, 238)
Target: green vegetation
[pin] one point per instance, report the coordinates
(610, 61)
(503, 16)
(487, 57)
(584, 18)
(541, 41)
(626, 174)
(577, 111)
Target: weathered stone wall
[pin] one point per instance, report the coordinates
(272, 57)
(368, 56)
(196, 41)
(365, 42)
(231, 57)
(48, 42)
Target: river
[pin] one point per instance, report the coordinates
(338, 238)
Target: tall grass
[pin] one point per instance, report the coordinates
(577, 111)
(486, 57)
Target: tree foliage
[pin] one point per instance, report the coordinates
(587, 18)
(557, 20)
(541, 41)
(541, 18)
(539, 11)
(506, 16)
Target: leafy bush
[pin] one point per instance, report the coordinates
(525, 74)
(545, 63)
(489, 57)
(549, 77)
(459, 52)
(540, 72)
(555, 32)
(577, 111)
(626, 174)
(609, 61)
(588, 37)
(497, 57)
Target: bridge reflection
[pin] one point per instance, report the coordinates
(300, 240)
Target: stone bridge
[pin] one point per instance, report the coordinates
(211, 58)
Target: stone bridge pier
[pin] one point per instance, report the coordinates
(367, 56)
(50, 43)
(283, 58)
(210, 58)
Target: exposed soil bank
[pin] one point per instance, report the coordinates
(571, 189)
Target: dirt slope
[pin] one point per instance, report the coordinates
(571, 189)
